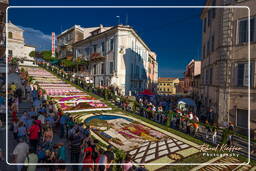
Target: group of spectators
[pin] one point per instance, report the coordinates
(44, 134)
(163, 108)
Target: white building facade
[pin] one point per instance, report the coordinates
(118, 57)
(16, 46)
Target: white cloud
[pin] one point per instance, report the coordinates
(37, 38)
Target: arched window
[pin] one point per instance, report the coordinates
(10, 35)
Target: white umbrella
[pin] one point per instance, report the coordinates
(187, 101)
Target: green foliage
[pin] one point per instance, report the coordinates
(82, 62)
(120, 156)
(67, 63)
(32, 54)
(30, 78)
(14, 61)
(22, 70)
(47, 55)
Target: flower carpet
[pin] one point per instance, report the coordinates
(231, 160)
(68, 98)
(144, 142)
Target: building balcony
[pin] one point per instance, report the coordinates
(97, 56)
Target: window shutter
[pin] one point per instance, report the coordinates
(235, 69)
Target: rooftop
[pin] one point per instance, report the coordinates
(11, 25)
(4, 1)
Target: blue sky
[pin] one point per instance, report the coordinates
(174, 34)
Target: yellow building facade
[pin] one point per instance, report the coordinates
(167, 85)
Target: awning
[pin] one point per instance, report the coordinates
(54, 61)
(147, 92)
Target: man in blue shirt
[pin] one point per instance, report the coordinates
(32, 112)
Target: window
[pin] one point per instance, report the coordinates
(10, 52)
(209, 17)
(212, 48)
(87, 51)
(208, 47)
(243, 30)
(242, 74)
(10, 35)
(112, 44)
(204, 51)
(137, 71)
(242, 118)
(111, 67)
(207, 77)
(69, 36)
(102, 68)
(211, 76)
(205, 22)
(94, 69)
(94, 48)
(103, 47)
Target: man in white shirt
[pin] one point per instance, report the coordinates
(20, 152)
(41, 117)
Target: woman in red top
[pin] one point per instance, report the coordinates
(88, 160)
(34, 131)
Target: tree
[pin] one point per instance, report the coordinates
(47, 55)
(32, 54)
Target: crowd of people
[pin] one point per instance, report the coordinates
(163, 108)
(44, 134)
